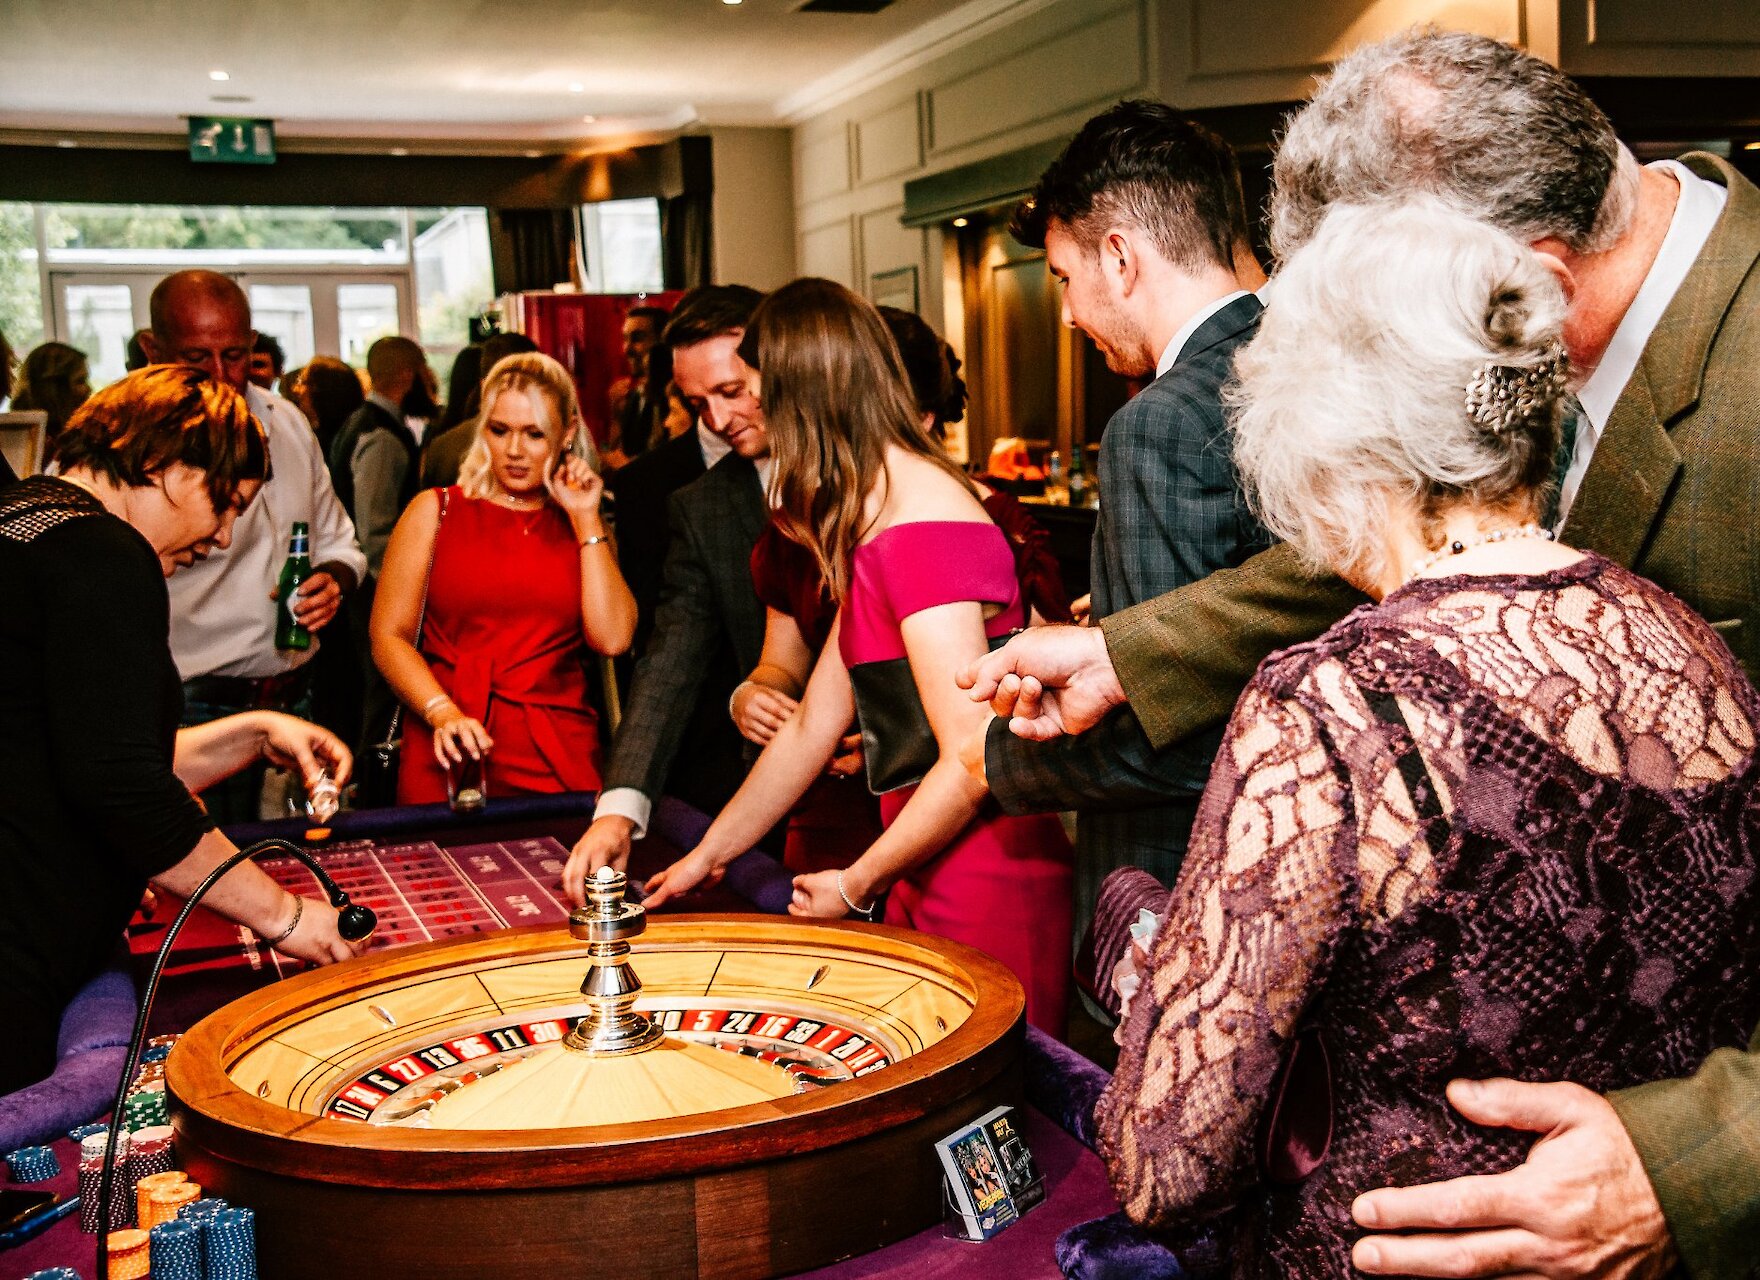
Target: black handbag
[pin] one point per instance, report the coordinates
(378, 777)
(898, 743)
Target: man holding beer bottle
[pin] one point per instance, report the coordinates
(245, 622)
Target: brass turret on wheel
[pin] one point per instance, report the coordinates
(606, 924)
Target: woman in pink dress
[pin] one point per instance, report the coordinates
(925, 582)
(494, 596)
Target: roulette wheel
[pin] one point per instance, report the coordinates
(707, 1095)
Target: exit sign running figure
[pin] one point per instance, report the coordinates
(218, 140)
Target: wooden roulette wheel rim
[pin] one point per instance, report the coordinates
(295, 1163)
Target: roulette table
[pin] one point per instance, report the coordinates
(367, 1111)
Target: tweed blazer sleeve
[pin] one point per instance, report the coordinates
(1699, 1139)
(1111, 767)
(1184, 657)
(669, 674)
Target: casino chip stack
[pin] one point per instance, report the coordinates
(158, 1048)
(91, 1173)
(55, 1273)
(149, 1152)
(87, 1130)
(33, 1164)
(145, 1189)
(145, 1108)
(129, 1259)
(231, 1246)
(176, 1250)
(164, 1202)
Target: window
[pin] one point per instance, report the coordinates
(620, 246)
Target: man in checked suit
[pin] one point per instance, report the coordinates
(707, 602)
(1662, 268)
(1139, 218)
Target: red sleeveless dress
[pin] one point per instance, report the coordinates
(503, 636)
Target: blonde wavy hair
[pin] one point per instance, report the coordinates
(553, 400)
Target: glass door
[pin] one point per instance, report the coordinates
(98, 312)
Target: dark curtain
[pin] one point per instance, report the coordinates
(685, 245)
(531, 248)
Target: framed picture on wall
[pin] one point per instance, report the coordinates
(895, 288)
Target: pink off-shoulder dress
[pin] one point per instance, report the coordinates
(1003, 885)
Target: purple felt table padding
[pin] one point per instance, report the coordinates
(89, 1056)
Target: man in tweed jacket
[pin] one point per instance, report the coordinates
(707, 602)
(1671, 306)
(1138, 222)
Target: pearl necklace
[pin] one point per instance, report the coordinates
(1460, 545)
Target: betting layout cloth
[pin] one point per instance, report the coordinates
(419, 891)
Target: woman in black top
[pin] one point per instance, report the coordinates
(95, 779)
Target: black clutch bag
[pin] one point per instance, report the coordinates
(897, 742)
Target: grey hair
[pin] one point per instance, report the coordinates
(1496, 133)
(1350, 406)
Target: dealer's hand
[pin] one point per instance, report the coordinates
(759, 711)
(1047, 681)
(308, 749)
(692, 871)
(604, 844)
(316, 939)
(1579, 1207)
(316, 601)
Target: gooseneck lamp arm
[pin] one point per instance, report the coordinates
(354, 922)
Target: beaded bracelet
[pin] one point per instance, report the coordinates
(433, 702)
(866, 913)
(595, 540)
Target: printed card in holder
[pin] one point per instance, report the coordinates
(991, 1177)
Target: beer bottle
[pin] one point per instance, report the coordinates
(289, 634)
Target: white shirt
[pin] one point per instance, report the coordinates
(1170, 353)
(222, 619)
(627, 802)
(1695, 214)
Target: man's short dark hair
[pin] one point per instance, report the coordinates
(656, 316)
(1143, 163)
(710, 311)
(265, 345)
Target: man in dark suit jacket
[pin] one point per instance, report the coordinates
(642, 491)
(1671, 1167)
(1138, 220)
(709, 626)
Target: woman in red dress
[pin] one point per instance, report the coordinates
(925, 581)
(494, 595)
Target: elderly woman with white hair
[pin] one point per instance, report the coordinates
(1501, 822)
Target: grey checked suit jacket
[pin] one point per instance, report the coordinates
(706, 602)
(1171, 512)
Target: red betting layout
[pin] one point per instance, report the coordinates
(420, 892)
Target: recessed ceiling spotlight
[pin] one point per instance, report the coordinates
(730, 1)
(218, 75)
(67, 142)
(589, 119)
(960, 222)
(532, 155)
(400, 151)
(577, 87)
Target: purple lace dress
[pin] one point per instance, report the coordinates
(1579, 903)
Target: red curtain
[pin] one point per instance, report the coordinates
(584, 332)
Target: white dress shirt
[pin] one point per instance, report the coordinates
(1170, 353)
(222, 619)
(1695, 214)
(627, 802)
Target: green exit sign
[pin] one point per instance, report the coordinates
(221, 140)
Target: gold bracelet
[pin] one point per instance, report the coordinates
(299, 909)
(595, 540)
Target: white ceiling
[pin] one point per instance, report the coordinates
(499, 71)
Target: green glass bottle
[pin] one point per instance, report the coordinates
(289, 633)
